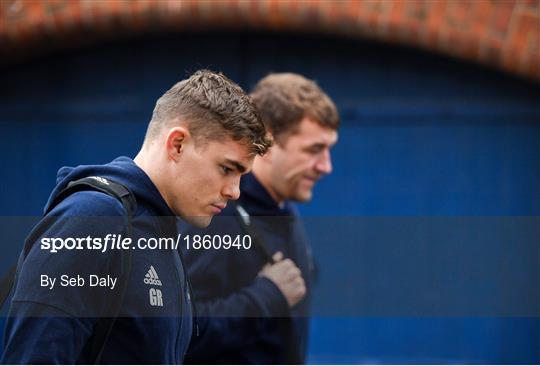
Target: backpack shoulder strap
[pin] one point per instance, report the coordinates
(284, 323)
(245, 222)
(100, 184)
(103, 327)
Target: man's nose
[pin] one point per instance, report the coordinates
(232, 190)
(324, 163)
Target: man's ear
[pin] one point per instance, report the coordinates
(177, 138)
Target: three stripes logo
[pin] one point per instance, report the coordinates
(151, 277)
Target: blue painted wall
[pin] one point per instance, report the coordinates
(422, 136)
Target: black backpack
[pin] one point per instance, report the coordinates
(103, 326)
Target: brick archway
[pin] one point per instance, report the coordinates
(498, 33)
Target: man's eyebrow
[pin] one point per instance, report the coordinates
(237, 165)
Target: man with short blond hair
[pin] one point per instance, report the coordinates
(204, 134)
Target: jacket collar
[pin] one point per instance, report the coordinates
(258, 200)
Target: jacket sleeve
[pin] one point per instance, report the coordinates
(52, 325)
(228, 319)
(42, 334)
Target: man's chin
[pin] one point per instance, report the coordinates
(303, 196)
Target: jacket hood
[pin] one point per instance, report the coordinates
(122, 170)
(253, 191)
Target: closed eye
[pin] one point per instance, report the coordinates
(226, 170)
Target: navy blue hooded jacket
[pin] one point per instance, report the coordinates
(244, 318)
(56, 325)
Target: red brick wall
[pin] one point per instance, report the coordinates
(500, 33)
